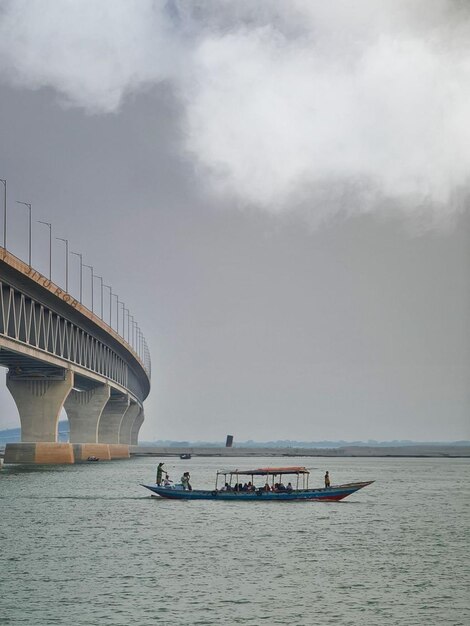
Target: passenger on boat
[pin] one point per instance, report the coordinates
(281, 487)
(250, 487)
(185, 481)
(167, 482)
(327, 480)
(267, 487)
(158, 479)
(289, 487)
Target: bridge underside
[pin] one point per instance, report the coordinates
(103, 420)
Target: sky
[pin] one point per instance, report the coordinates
(278, 191)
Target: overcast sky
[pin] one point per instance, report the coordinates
(279, 191)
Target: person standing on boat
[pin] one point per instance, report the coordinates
(185, 481)
(159, 474)
(327, 480)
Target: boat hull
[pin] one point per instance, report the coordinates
(329, 494)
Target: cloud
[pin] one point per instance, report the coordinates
(334, 108)
(92, 53)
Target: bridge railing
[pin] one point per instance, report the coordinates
(31, 323)
(133, 341)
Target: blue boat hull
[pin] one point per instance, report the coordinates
(330, 494)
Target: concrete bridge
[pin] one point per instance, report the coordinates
(59, 354)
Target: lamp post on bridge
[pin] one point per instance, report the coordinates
(138, 338)
(130, 327)
(117, 312)
(49, 225)
(101, 279)
(66, 241)
(136, 344)
(110, 302)
(141, 345)
(79, 254)
(132, 331)
(91, 269)
(123, 318)
(4, 182)
(128, 324)
(28, 206)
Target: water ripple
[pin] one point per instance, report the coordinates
(84, 545)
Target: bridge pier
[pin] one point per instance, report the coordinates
(84, 409)
(39, 403)
(109, 425)
(40, 453)
(139, 420)
(83, 451)
(127, 422)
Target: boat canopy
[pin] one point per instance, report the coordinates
(266, 471)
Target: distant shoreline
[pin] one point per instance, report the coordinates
(410, 451)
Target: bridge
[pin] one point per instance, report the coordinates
(60, 355)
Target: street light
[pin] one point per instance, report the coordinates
(79, 254)
(131, 331)
(117, 312)
(101, 279)
(123, 317)
(135, 336)
(49, 225)
(141, 344)
(91, 269)
(128, 323)
(139, 340)
(66, 241)
(110, 302)
(3, 180)
(27, 204)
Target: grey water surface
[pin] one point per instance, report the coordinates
(86, 545)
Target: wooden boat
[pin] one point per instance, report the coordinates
(265, 492)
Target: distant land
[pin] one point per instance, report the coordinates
(288, 443)
(281, 447)
(11, 435)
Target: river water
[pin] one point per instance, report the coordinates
(86, 545)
